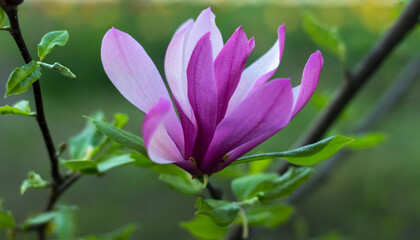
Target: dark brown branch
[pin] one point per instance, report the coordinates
(396, 91)
(12, 13)
(362, 73)
(59, 184)
(56, 194)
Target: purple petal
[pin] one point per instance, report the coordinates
(160, 146)
(189, 129)
(189, 167)
(260, 71)
(202, 93)
(264, 112)
(131, 70)
(205, 23)
(310, 77)
(228, 68)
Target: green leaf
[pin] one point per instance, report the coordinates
(123, 233)
(251, 186)
(23, 105)
(122, 137)
(6, 218)
(269, 216)
(324, 35)
(259, 166)
(94, 167)
(286, 184)
(114, 162)
(83, 166)
(221, 212)
(367, 140)
(1, 17)
(142, 160)
(22, 78)
(120, 119)
(64, 224)
(20, 108)
(204, 228)
(307, 155)
(39, 219)
(50, 40)
(178, 179)
(46, 216)
(34, 180)
(60, 68)
(88, 142)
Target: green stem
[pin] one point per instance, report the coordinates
(205, 180)
(245, 228)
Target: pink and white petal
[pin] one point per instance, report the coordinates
(131, 70)
(264, 112)
(310, 78)
(174, 129)
(175, 71)
(260, 71)
(202, 93)
(205, 23)
(185, 25)
(228, 68)
(159, 145)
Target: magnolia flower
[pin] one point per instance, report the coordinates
(220, 109)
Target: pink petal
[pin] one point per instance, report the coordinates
(160, 146)
(175, 70)
(186, 25)
(260, 71)
(205, 23)
(310, 77)
(202, 93)
(131, 70)
(228, 68)
(264, 112)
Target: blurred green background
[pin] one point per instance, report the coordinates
(374, 195)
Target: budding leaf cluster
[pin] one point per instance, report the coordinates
(34, 180)
(23, 77)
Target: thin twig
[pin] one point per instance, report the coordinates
(396, 91)
(362, 73)
(12, 13)
(55, 195)
(59, 184)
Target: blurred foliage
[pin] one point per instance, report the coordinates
(382, 194)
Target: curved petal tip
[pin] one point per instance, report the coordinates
(318, 55)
